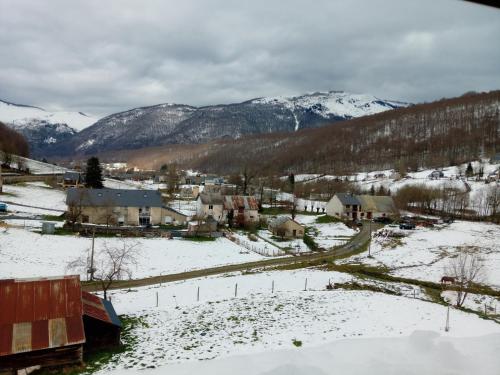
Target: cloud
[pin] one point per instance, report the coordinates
(100, 57)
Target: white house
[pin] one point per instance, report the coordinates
(210, 204)
(344, 205)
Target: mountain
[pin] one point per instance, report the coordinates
(43, 130)
(184, 124)
(429, 135)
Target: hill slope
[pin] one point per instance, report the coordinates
(43, 129)
(445, 132)
(184, 124)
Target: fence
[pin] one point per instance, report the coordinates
(267, 250)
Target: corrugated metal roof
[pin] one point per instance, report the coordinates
(100, 309)
(234, 202)
(39, 314)
(114, 198)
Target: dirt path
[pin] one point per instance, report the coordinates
(357, 243)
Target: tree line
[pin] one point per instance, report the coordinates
(12, 142)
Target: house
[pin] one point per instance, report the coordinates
(119, 207)
(72, 179)
(493, 176)
(285, 227)
(173, 217)
(101, 324)
(189, 191)
(210, 204)
(242, 210)
(375, 206)
(40, 323)
(344, 205)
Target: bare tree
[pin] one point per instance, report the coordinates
(111, 263)
(75, 208)
(466, 269)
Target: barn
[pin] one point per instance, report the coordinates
(40, 323)
(50, 322)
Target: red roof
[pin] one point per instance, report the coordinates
(235, 202)
(39, 314)
(100, 309)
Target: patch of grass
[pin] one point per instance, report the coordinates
(310, 243)
(297, 343)
(199, 238)
(325, 219)
(274, 211)
(53, 218)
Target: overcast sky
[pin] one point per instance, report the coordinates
(101, 57)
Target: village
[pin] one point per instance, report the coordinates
(101, 269)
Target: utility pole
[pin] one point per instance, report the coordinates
(92, 257)
(447, 326)
(370, 242)
(1, 179)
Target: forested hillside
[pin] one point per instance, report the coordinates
(446, 132)
(11, 142)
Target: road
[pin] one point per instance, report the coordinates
(357, 242)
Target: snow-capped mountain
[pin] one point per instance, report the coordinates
(43, 129)
(175, 123)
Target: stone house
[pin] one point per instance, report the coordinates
(285, 227)
(120, 207)
(344, 205)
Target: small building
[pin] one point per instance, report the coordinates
(375, 206)
(72, 179)
(173, 217)
(101, 323)
(189, 191)
(116, 206)
(40, 323)
(243, 210)
(344, 205)
(207, 226)
(286, 227)
(210, 204)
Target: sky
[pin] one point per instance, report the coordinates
(101, 57)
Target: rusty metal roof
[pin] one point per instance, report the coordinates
(40, 313)
(99, 308)
(234, 202)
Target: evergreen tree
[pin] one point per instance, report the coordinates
(93, 174)
(372, 190)
(469, 171)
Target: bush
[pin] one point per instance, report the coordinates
(325, 219)
(309, 241)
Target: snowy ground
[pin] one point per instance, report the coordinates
(27, 254)
(44, 199)
(422, 352)
(425, 252)
(182, 329)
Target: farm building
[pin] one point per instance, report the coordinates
(102, 325)
(49, 322)
(206, 226)
(40, 323)
(210, 204)
(72, 179)
(344, 205)
(241, 209)
(360, 206)
(286, 227)
(374, 206)
(120, 207)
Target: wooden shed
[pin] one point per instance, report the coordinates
(40, 323)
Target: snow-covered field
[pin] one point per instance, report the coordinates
(257, 320)
(422, 352)
(43, 198)
(27, 254)
(425, 252)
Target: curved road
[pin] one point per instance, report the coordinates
(354, 245)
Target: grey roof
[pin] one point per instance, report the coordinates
(280, 220)
(348, 199)
(73, 176)
(211, 198)
(114, 198)
(377, 203)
